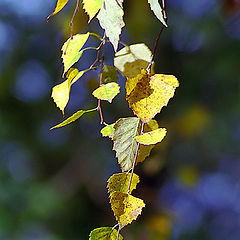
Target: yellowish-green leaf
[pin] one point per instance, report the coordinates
(104, 233)
(92, 7)
(111, 20)
(60, 93)
(73, 118)
(120, 181)
(152, 137)
(109, 74)
(124, 142)
(130, 60)
(108, 131)
(147, 94)
(60, 5)
(107, 91)
(157, 10)
(72, 50)
(126, 208)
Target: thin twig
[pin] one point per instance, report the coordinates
(118, 232)
(98, 53)
(135, 159)
(72, 20)
(158, 37)
(100, 78)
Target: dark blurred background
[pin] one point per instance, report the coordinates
(53, 183)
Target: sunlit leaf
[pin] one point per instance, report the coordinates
(111, 20)
(126, 208)
(130, 60)
(124, 142)
(108, 131)
(109, 74)
(147, 94)
(73, 118)
(152, 137)
(60, 5)
(157, 10)
(92, 7)
(60, 93)
(104, 233)
(72, 50)
(107, 91)
(120, 181)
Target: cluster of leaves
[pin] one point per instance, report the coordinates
(133, 137)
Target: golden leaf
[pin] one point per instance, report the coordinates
(147, 94)
(60, 5)
(126, 208)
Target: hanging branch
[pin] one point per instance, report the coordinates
(73, 17)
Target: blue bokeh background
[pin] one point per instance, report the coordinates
(52, 183)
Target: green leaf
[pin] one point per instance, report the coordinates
(92, 7)
(111, 20)
(124, 143)
(152, 137)
(104, 233)
(60, 93)
(130, 60)
(108, 131)
(120, 181)
(73, 118)
(107, 91)
(110, 74)
(60, 5)
(72, 50)
(126, 208)
(157, 10)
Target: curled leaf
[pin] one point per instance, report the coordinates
(157, 10)
(107, 91)
(73, 118)
(152, 137)
(60, 5)
(60, 93)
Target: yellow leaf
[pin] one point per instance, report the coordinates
(120, 181)
(92, 7)
(60, 93)
(73, 118)
(108, 131)
(72, 50)
(130, 60)
(60, 5)
(126, 208)
(152, 137)
(104, 233)
(147, 94)
(107, 91)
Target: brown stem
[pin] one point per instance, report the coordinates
(100, 79)
(158, 37)
(135, 159)
(72, 20)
